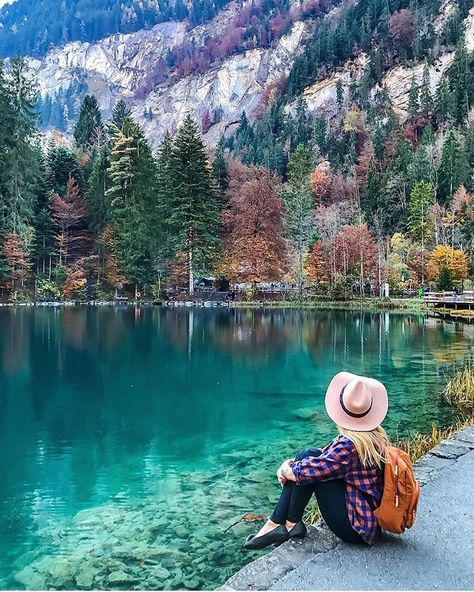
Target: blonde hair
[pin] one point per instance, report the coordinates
(370, 446)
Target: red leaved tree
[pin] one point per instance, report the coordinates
(17, 259)
(69, 212)
(316, 267)
(254, 249)
(402, 27)
(320, 185)
(356, 253)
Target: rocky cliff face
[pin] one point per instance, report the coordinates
(229, 89)
(321, 96)
(115, 66)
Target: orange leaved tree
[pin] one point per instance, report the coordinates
(356, 253)
(448, 258)
(254, 249)
(316, 267)
(17, 258)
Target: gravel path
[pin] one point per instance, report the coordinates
(437, 553)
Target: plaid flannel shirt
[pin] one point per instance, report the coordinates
(364, 486)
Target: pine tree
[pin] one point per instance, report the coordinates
(426, 100)
(97, 186)
(62, 163)
(421, 168)
(301, 127)
(339, 93)
(119, 114)
(462, 81)
(23, 160)
(132, 194)
(371, 198)
(89, 129)
(419, 222)
(299, 209)
(44, 244)
(162, 246)
(413, 98)
(193, 219)
(219, 167)
(6, 134)
(454, 167)
(453, 28)
(444, 103)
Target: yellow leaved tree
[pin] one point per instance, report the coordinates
(448, 258)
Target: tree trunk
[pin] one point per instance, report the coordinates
(190, 271)
(300, 275)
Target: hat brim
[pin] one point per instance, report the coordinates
(376, 414)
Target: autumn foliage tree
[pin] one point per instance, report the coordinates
(108, 271)
(254, 248)
(356, 253)
(315, 264)
(17, 259)
(320, 185)
(69, 212)
(402, 27)
(454, 260)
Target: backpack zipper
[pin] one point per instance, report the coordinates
(396, 486)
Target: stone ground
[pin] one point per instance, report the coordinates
(437, 553)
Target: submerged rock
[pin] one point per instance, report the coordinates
(85, 579)
(305, 413)
(181, 531)
(161, 574)
(120, 577)
(31, 579)
(192, 584)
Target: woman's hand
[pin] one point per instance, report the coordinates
(284, 472)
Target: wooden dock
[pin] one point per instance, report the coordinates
(451, 305)
(464, 300)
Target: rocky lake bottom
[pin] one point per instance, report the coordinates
(157, 543)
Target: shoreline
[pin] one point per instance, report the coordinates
(366, 304)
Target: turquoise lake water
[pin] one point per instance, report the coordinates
(132, 438)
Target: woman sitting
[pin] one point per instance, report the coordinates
(346, 476)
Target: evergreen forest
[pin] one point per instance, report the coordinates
(335, 206)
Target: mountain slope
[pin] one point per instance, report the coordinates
(161, 90)
(33, 26)
(136, 67)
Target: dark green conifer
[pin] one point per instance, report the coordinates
(219, 167)
(193, 218)
(88, 130)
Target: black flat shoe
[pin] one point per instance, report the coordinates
(299, 531)
(275, 537)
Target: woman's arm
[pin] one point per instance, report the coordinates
(285, 472)
(332, 463)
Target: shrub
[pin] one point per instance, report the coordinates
(19, 296)
(46, 288)
(459, 390)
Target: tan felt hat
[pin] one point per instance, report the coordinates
(356, 402)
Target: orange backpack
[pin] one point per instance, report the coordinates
(401, 492)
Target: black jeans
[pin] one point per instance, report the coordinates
(331, 501)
